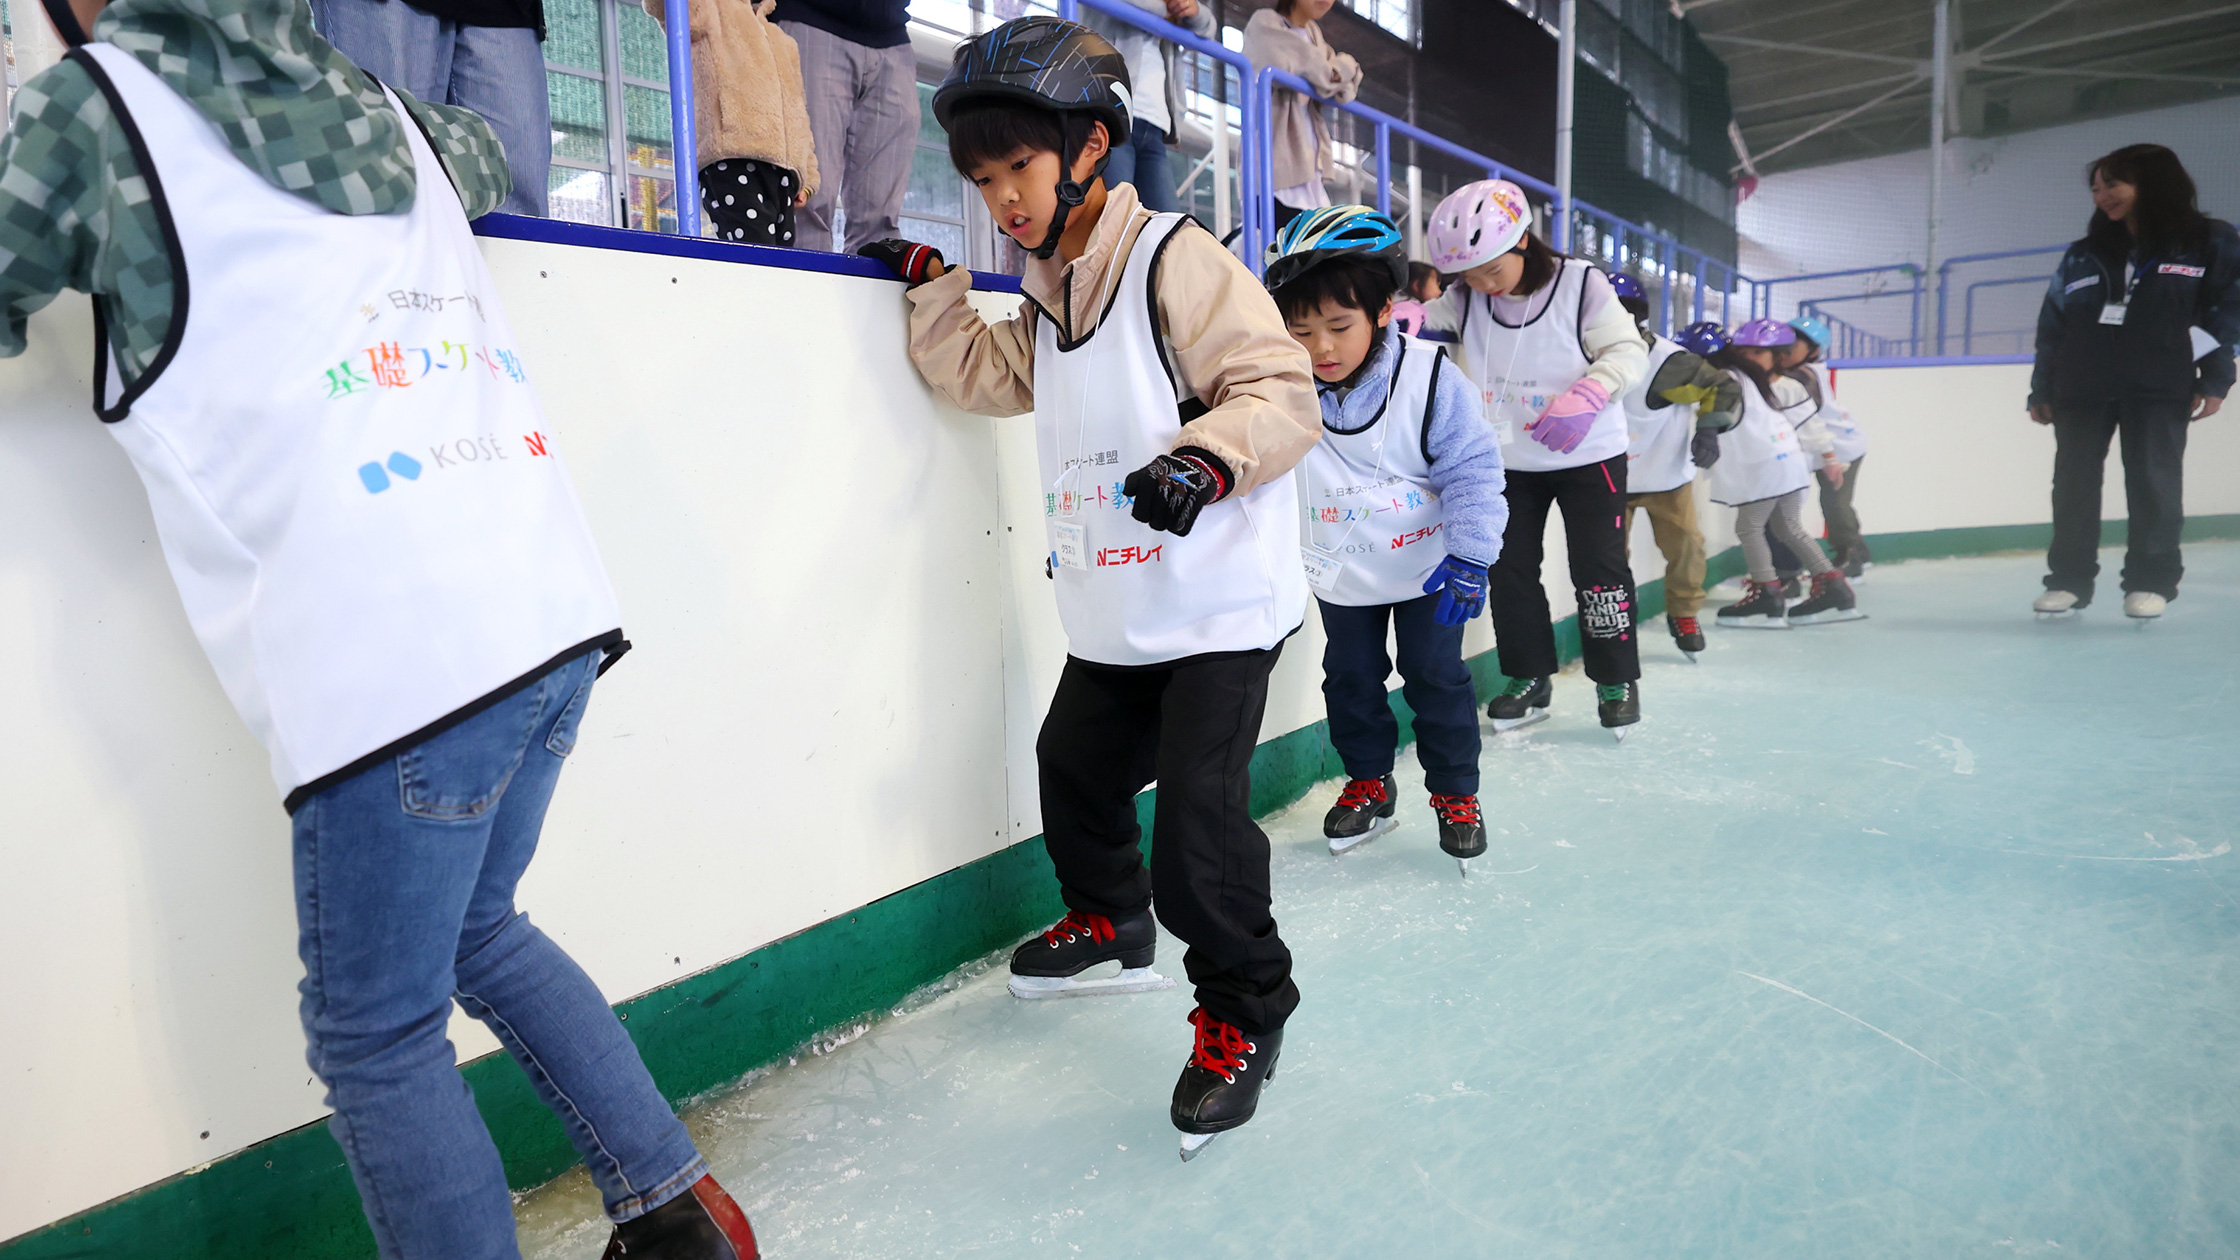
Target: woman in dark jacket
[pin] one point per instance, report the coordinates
(2136, 338)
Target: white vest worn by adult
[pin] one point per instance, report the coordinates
(1850, 440)
(1658, 457)
(1522, 369)
(1759, 457)
(355, 488)
(1104, 407)
(1368, 491)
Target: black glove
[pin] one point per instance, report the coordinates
(906, 259)
(1704, 448)
(1171, 490)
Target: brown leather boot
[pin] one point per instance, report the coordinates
(700, 1224)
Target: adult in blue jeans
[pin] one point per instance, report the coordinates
(1141, 157)
(381, 553)
(483, 55)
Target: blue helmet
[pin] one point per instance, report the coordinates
(1333, 232)
(1813, 329)
(1706, 338)
(1628, 288)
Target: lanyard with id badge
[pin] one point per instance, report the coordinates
(1324, 567)
(2114, 311)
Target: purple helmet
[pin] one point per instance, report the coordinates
(1765, 332)
(1706, 338)
(1628, 288)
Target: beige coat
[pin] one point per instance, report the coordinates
(1229, 343)
(1302, 142)
(746, 79)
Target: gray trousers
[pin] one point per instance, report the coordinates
(1783, 517)
(498, 72)
(863, 116)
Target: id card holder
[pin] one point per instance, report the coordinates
(1322, 569)
(1069, 541)
(1503, 430)
(2113, 312)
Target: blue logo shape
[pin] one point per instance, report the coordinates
(404, 465)
(375, 479)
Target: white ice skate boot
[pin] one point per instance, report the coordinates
(2054, 605)
(2144, 606)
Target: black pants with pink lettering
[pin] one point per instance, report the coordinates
(1192, 726)
(1593, 501)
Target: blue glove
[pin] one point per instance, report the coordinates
(1462, 591)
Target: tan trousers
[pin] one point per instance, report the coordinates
(1672, 521)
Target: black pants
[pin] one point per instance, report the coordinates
(1193, 728)
(749, 202)
(2154, 456)
(1593, 499)
(1433, 678)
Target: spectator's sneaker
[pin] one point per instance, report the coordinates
(700, 1224)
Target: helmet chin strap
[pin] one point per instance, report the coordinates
(65, 21)
(1071, 192)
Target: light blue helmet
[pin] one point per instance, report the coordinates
(1813, 329)
(1334, 232)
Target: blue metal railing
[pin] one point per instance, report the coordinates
(1968, 310)
(1944, 277)
(684, 141)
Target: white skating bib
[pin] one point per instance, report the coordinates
(1657, 452)
(1105, 408)
(1368, 492)
(1759, 457)
(357, 493)
(1520, 370)
(1850, 439)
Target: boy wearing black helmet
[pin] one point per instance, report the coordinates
(1404, 517)
(1142, 345)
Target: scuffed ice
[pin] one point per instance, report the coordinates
(1912, 937)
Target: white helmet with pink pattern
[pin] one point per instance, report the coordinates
(1476, 224)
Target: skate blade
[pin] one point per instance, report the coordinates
(1691, 657)
(1828, 618)
(1343, 844)
(1755, 623)
(2065, 614)
(1129, 980)
(1619, 733)
(1193, 1143)
(1464, 863)
(1518, 724)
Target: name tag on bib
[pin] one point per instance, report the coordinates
(2113, 312)
(1322, 569)
(1070, 541)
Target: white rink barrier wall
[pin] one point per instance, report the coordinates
(844, 647)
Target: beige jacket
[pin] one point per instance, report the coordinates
(1229, 343)
(747, 97)
(1302, 142)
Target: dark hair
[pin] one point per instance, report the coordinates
(2167, 213)
(1540, 266)
(1732, 358)
(1636, 307)
(991, 130)
(1803, 376)
(1418, 272)
(1350, 280)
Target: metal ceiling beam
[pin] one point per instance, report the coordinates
(2033, 71)
(2111, 33)
(1846, 53)
(1838, 90)
(2024, 25)
(1844, 117)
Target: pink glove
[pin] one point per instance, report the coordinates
(1565, 423)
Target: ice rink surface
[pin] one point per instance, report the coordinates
(1912, 937)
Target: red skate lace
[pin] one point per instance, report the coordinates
(1221, 1047)
(1455, 809)
(1687, 625)
(1360, 792)
(1094, 926)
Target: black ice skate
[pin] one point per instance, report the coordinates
(1792, 587)
(1762, 608)
(1856, 561)
(1521, 703)
(1363, 812)
(1831, 600)
(700, 1224)
(1050, 965)
(1462, 833)
(1220, 1086)
(1619, 706)
(1687, 635)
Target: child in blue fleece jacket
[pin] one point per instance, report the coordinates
(1405, 514)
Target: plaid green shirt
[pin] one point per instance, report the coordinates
(75, 211)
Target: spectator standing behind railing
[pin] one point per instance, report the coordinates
(1140, 158)
(757, 159)
(861, 81)
(2135, 337)
(483, 55)
(1289, 37)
